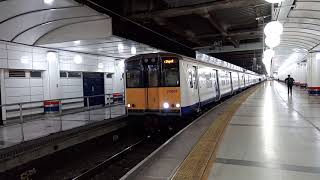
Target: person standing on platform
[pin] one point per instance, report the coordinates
(289, 81)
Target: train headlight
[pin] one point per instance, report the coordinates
(166, 105)
(129, 105)
(178, 105)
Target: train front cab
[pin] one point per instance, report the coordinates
(153, 85)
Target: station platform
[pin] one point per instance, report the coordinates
(261, 133)
(22, 143)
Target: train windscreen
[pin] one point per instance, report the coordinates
(134, 74)
(170, 72)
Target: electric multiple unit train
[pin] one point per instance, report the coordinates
(173, 85)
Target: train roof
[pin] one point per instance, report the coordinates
(214, 61)
(150, 55)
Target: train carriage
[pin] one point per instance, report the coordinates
(172, 85)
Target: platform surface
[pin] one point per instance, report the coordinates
(267, 135)
(40, 127)
(272, 136)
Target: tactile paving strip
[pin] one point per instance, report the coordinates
(200, 160)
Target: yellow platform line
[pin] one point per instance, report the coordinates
(200, 160)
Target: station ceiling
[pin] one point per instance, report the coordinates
(208, 26)
(64, 25)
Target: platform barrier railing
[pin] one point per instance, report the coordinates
(88, 112)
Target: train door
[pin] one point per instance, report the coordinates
(231, 82)
(93, 85)
(217, 85)
(239, 82)
(152, 81)
(244, 80)
(197, 84)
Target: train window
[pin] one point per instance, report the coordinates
(134, 74)
(194, 78)
(133, 78)
(190, 79)
(208, 80)
(170, 72)
(153, 75)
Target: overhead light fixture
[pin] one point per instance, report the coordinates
(120, 47)
(318, 56)
(24, 59)
(76, 42)
(273, 28)
(133, 50)
(77, 59)
(51, 56)
(100, 65)
(269, 53)
(274, 1)
(48, 1)
(272, 42)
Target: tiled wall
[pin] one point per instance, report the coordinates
(71, 88)
(22, 90)
(20, 57)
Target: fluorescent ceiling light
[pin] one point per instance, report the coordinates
(48, 1)
(77, 59)
(51, 56)
(274, 1)
(76, 42)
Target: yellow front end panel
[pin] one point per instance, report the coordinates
(136, 97)
(170, 95)
(153, 99)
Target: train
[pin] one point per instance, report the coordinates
(167, 84)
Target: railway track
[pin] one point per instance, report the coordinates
(107, 157)
(89, 174)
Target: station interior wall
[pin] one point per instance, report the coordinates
(50, 85)
(298, 71)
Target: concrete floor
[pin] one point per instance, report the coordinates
(272, 136)
(14, 134)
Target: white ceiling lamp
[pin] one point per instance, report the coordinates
(77, 42)
(100, 65)
(274, 1)
(25, 59)
(266, 60)
(133, 50)
(269, 53)
(120, 47)
(48, 1)
(77, 59)
(273, 28)
(272, 42)
(318, 56)
(51, 56)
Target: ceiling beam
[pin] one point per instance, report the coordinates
(238, 35)
(188, 34)
(224, 49)
(195, 9)
(214, 22)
